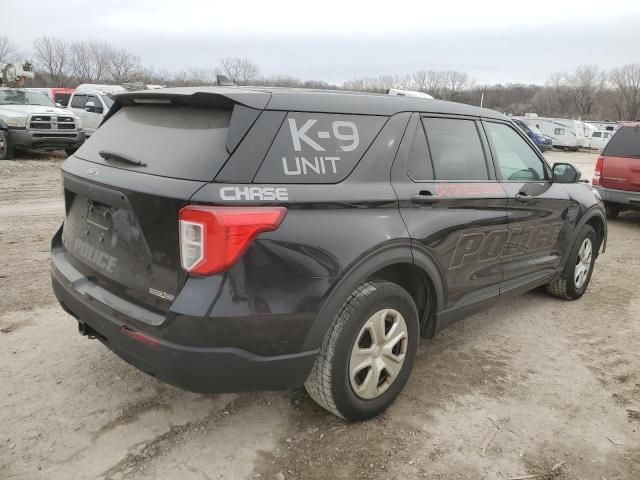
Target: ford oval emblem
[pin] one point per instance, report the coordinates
(92, 171)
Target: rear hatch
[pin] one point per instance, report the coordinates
(125, 186)
(621, 160)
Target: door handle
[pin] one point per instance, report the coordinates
(424, 197)
(523, 197)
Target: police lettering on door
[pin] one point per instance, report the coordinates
(343, 134)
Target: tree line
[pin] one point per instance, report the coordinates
(588, 92)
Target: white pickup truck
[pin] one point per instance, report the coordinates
(91, 103)
(31, 120)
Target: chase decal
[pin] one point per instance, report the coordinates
(268, 194)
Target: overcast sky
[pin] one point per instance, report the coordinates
(494, 41)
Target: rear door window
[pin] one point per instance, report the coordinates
(625, 143)
(456, 150)
(318, 147)
(420, 168)
(171, 141)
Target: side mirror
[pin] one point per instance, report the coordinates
(565, 173)
(90, 107)
(59, 105)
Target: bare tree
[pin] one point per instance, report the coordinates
(52, 55)
(561, 96)
(454, 84)
(194, 77)
(356, 85)
(101, 54)
(428, 81)
(123, 66)
(239, 70)
(90, 60)
(626, 81)
(420, 80)
(586, 85)
(8, 51)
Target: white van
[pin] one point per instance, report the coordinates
(565, 134)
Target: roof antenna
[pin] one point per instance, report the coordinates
(224, 81)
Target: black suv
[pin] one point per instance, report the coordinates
(232, 239)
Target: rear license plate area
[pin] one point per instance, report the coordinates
(99, 216)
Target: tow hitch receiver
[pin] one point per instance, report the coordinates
(86, 330)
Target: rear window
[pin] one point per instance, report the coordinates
(63, 98)
(173, 141)
(625, 143)
(318, 147)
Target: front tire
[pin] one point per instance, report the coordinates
(367, 353)
(6, 149)
(576, 276)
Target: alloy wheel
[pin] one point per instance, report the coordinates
(583, 263)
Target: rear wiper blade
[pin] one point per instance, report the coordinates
(118, 157)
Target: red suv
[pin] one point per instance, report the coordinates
(617, 175)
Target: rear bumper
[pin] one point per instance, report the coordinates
(632, 199)
(199, 369)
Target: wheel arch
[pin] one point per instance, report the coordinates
(396, 262)
(599, 223)
(594, 217)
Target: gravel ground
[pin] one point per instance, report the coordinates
(532, 388)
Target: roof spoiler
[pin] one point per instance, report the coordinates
(209, 97)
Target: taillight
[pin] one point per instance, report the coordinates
(214, 238)
(599, 164)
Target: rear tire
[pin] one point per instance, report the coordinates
(612, 210)
(6, 148)
(346, 379)
(575, 278)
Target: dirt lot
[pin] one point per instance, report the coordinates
(532, 388)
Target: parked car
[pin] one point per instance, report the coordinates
(599, 139)
(617, 173)
(31, 120)
(228, 239)
(91, 107)
(565, 134)
(536, 136)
